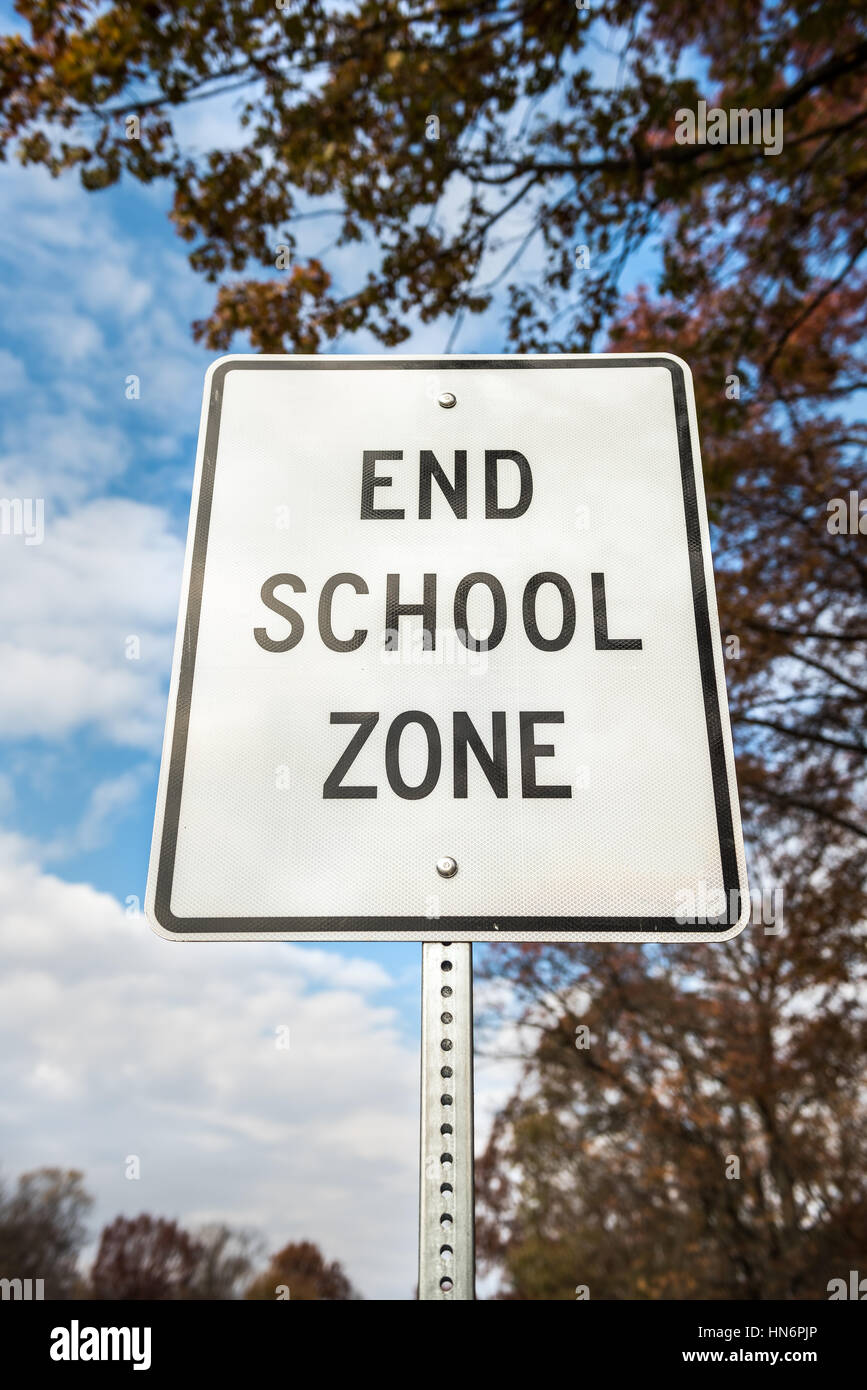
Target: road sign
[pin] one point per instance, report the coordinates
(448, 661)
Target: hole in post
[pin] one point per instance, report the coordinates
(445, 965)
(446, 1160)
(446, 1187)
(446, 991)
(446, 1285)
(446, 1044)
(446, 1252)
(446, 1129)
(446, 1018)
(445, 1071)
(446, 1099)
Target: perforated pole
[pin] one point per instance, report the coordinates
(446, 1262)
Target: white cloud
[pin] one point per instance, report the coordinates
(111, 288)
(68, 338)
(58, 454)
(108, 571)
(114, 1042)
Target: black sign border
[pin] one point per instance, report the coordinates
(420, 928)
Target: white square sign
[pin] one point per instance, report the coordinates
(448, 661)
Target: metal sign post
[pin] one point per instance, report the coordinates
(446, 1254)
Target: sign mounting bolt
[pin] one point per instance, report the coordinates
(447, 400)
(447, 867)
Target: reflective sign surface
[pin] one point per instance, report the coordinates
(449, 660)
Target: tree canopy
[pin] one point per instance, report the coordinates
(565, 112)
(43, 1227)
(705, 1138)
(300, 1273)
(147, 1258)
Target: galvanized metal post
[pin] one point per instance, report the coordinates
(447, 1254)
